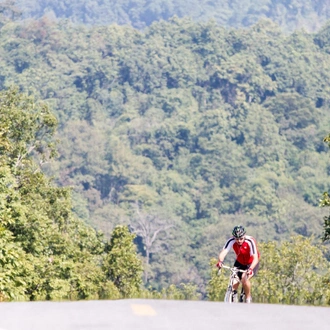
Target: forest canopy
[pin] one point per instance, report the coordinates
(179, 131)
(289, 14)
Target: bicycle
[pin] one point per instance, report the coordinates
(230, 297)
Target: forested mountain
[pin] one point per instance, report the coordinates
(46, 252)
(290, 14)
(183, 130)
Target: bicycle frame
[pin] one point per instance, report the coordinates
(233, 279)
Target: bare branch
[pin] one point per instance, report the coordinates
(149, 226)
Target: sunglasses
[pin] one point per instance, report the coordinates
(239, 239)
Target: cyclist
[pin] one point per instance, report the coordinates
(247, 257)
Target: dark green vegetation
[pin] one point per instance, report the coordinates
(45, 251)
(325, 202)
(290, 14)
(180, 132)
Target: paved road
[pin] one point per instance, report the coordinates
(160, 314)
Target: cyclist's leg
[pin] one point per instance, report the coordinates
(247, 284)
(239, 266)
(235, 286)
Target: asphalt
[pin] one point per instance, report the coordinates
(159, 314)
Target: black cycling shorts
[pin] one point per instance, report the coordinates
(245, 267)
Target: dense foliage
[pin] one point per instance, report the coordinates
(290, 14)
(45, 251)
(121, 264)
(179, 132)
(325, 202)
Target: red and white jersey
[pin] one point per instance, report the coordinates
(244, 252)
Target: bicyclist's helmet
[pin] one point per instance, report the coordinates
(238, 231)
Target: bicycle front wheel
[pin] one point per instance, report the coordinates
(229, 295)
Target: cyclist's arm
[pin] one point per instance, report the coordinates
(255, 261)
(253, 251)
(226, 249)
(223, 254)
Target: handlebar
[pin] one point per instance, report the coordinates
(232, 269)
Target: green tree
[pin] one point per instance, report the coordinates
(292, 272)
(325, 202)
(46, 252)
(121, 263)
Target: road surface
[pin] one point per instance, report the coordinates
(141, 314)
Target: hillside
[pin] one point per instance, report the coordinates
(289, 14)
(182, 130)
